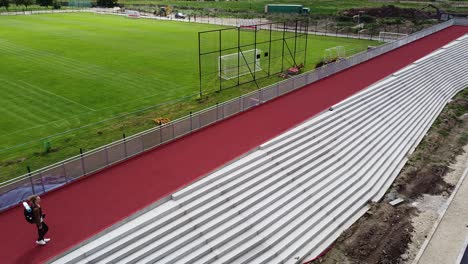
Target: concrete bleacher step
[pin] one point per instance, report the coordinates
(380, 190)
(285, 200)
(297, 229)
(364, 190)
(197, 184)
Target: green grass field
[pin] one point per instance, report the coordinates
(61, 72)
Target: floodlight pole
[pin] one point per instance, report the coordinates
(307, 35)
(282, 52)
(238, 55)
(220, 54)
(255, 53)
(269, 53)
(199, 64)
(295, 43)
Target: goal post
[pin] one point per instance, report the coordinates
(240, 63)
(334, 53)
(390, 36)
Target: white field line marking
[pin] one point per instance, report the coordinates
(39, 114)
(87, 125)
(101, 109)
(80, 67)
(59, 96)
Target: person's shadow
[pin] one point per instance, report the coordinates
(31, 255)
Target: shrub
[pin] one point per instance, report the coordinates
(344, 19)
(56, 4)
(367, 19)
(106, 3)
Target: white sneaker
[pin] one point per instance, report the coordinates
(40, 242)
(46, 239)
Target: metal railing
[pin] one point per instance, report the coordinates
(460, 21)
(66, 171)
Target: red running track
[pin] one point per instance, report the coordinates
(82, 209)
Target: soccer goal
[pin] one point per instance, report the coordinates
(240, 63)
(391, 36)
(334, 53)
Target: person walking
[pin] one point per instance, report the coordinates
(42, 227)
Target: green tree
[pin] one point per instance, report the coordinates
(18, 3)
(5, 3)
(106, 3)
(44, 2)
(56, 4)
(27, 3)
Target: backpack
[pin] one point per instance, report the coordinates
(28, 213)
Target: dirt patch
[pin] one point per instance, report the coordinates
(381, 236)
(424, 172)
(11, 162)
(431, 206)
(390, 11)
(427, 180)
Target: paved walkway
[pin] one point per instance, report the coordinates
(449, 239)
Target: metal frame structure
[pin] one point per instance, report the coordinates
(298, 27)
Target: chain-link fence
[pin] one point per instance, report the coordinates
(327, 26)
(233, 56)
(37, 12)
(56, 175)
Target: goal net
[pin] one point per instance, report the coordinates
(391, 36)
(334, 53)
(240, 63)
